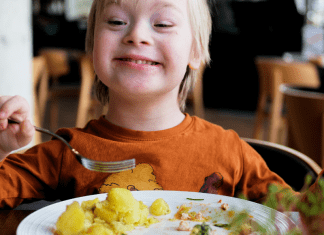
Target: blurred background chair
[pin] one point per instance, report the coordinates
(195, 96)
(305, 121)
(279, 157)
(89, 107)
(63, 69)
(40, 90)
(264, 66)
(273, 72)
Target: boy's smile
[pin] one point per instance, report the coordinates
(137, 62)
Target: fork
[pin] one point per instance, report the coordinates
(93, 165)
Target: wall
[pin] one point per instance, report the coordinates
(16, 48)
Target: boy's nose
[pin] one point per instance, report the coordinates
(138, 35)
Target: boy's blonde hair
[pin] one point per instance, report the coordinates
(201, 24)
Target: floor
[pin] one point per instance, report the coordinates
(240, 121)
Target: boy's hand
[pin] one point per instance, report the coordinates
(14, 136)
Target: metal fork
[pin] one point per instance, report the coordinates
(93, 165)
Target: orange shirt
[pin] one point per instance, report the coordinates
(194, 156)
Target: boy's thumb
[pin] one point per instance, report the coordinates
(27, 131)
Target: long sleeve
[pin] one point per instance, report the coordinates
(32, 175)
(256, 176)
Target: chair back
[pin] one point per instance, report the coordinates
(279, 157)
(40, 91)
(305, 118)
(57, 61)
(264, 66)
(297, 73)
(272, 73)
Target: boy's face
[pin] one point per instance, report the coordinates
(143, 47)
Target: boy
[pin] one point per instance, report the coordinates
(146, 53)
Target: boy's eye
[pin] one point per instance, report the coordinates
(162, 25)
(116, 22)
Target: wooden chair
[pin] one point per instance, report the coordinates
(89, 107)
(278, 157)
(273, 72)
(196, 95)
(305, 121)
(57, 61)
(264, 67)
(40, 93)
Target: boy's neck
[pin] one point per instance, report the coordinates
(144, 116)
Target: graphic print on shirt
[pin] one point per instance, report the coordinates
(212, 183)
(139, 178)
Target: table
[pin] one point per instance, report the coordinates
(10, 219)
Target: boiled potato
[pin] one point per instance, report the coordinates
(132, 216)
(98, 229)
(159, 207)
(104, 212)
(71, 221)
(121, 228)
(121, 200)
(119, 213)
(89, 205)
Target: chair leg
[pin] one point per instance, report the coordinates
(260, 117)
(275, 117)
(198, 102)
(283, 136)
(38, 122)
(54, 110)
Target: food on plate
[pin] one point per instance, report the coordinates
(184, 213)
(224, 206)
(220, 219)
(220, 225)
(119, 213)
(75, 216)
(159, 207)
(184, 226)
(194, 199)
(243, 224)
(201, 229)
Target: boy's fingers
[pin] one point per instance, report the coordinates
(26, 133)
(3, 114)
(14, 107)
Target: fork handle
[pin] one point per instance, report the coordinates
(45, 131)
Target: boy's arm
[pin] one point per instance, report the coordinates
(256, 177)
(33, 175)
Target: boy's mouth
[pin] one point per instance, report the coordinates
(139, 61)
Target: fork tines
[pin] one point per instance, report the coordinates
(108, 167)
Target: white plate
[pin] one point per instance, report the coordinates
(42, 222)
